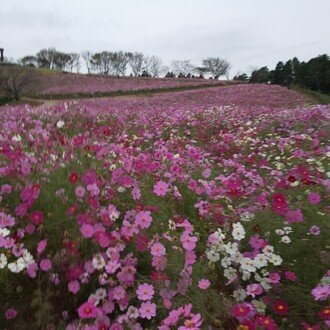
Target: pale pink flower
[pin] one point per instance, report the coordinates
(204, 284)
(145, 291)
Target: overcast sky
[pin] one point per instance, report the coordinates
(248, 33)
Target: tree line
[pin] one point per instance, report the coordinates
(313, 74)
(120, 63)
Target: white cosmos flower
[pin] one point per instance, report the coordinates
(3, 261)
(132, 312)
(17, 138)
(247, 264)
(239, 295)
(225, 262)
(17, 266)
(268, 250)
(259, 306)
(275, 259)
(236, 257)
(60, 123)
(280, 232)
(213, 256)
(246, 276)
(4, 232)
(231, 248)
(286, 239)
(27, 257)
(238, 231)
(287, 230)
(98, 262)
(230, 273)
(260, 260)
(100, 293)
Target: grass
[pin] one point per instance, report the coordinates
(312, 97)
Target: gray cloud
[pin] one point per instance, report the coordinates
(246, 32)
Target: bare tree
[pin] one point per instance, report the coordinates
(119, 62)
(215, 66)
(74, 62)
(16, 81)
(153, 66)
(102, 62)
(61, 60)
(135, 61)
(182, 68)
(87, 57)
(46, 57)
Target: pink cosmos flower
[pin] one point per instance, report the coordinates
(136, 193)
(161, 188)
(87, 230)
(42, 246)
(188, 242)
(321, 292)
(315, 230)
(254, 290)
(30, 228)
(294, 216)
(314, 198)
(157, 249)
(118, 293)
(45, 265)
(80, 192)
(145, 291)
(274, 278)
(74, 286)
(204, 284)
(291, 276)
(10, 313)
(257, 243)
(93, 189)
(147, 310)
(32, 269)
(143, 219)
(87, 310)
(243, 311)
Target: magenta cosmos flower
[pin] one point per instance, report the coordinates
(10, 313)
(314, 198)
(87, 230)
(87, 310)
(147, 310)
(45, 265)
(161, 188)
(145, 291)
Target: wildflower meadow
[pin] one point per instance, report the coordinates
(201, 209)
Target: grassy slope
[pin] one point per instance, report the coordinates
(313, 97)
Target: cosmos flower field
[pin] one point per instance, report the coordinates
(55, 84)
(203, 209)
